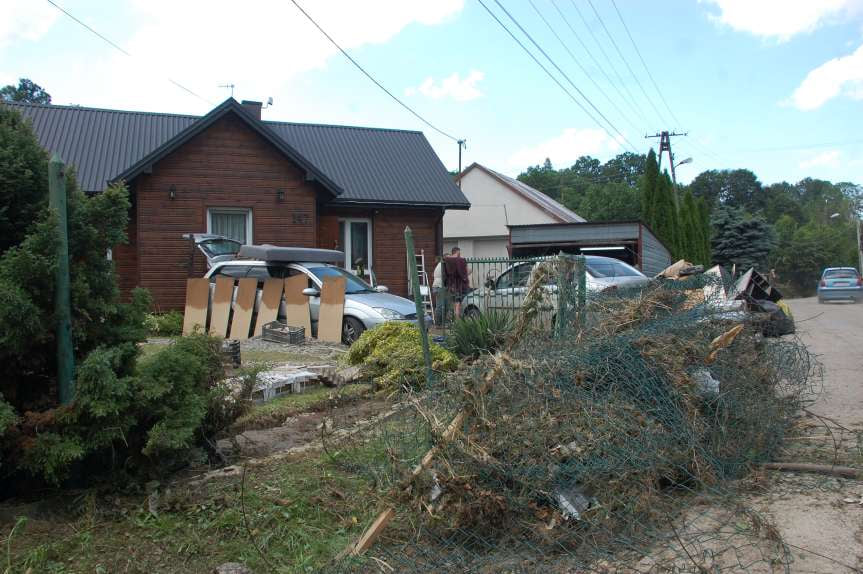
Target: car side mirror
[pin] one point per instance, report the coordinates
(382, 289)
(311, 292)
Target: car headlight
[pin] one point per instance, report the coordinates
(389, 313)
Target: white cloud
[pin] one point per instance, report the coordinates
(25, 20)
(262, 47)
(843, 75)
(461, 90)
(780, 19)
(564, 149)
(829, 158)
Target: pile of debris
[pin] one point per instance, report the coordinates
(587, 443)
(750, 294)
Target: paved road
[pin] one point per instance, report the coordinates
(834, 332)
(808, 514)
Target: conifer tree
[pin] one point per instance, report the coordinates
(648, 190)
(665, 215)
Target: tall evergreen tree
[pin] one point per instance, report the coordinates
(665, 214)
(740, 239)
(707, 230)
(692, 232)
(648, 190)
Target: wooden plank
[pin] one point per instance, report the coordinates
(332, 309)
(297, 304)
(243, 307)
(372, 531)
(197, 299)
(221, 306)
(268, 310)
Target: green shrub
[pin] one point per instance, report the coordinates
(174, 402)
(168, 324)
(472, 336)
(392, 355)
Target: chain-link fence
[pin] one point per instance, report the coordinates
(613, 437)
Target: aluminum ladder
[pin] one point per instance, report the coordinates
(425, 284)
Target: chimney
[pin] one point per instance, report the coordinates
(254, 108)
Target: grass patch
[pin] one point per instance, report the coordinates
(274, 413)
(292, 357)
(301, 513)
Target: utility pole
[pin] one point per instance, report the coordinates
(665, 146)
(461, 144)
(62, 307)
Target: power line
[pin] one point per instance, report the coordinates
(553, 63)
(626, 62)
(581, 66)
(607, 59)
(701, 148)
(643, 63)
(599, 66)
(119, 48)
(544, 69)
(460, 141)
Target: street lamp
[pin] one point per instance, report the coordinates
(683, 161)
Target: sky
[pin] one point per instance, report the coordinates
(775, 86)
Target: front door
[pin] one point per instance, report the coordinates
(355, 238)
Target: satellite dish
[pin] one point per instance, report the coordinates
(270, 101)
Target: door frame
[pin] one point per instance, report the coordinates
(349, 258)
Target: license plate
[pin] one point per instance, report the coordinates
(841, 284)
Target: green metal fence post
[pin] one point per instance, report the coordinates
(62, 307)
(581, 270)
(418, 299)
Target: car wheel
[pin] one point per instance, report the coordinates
(352, 328)
(472, 313)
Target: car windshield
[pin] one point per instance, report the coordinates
(353, 283)
(840, 274)
(216, 247)
(610, 268)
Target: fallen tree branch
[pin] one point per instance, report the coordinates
(827, 469)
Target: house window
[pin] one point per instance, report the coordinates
(233, 223)
(355, 239)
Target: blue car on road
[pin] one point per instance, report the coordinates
(840, 283)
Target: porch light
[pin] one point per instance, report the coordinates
(280, 194)
(172, 192)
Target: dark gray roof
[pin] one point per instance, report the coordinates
(363, 165)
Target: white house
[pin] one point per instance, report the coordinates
(495, 202)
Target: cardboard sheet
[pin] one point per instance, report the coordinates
(243, 306)
(271, 298)
(297, 304)
(332, 310)
(220, 308)
(197, 300)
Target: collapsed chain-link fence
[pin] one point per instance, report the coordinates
(613, 436)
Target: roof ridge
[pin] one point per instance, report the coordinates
(342, 126)
(193, 116)
(93, 109)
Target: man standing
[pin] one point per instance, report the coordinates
(457, 282)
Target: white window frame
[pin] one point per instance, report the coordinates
(247, 211)
(349, 258)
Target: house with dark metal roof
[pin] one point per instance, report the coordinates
(497, 201)
(230, 173)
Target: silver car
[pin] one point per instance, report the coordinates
(365, 306)
(506, 291)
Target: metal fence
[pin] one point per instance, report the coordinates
(503, 285)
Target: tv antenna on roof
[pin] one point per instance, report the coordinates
(231, 86)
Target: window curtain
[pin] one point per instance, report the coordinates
(231, 225)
